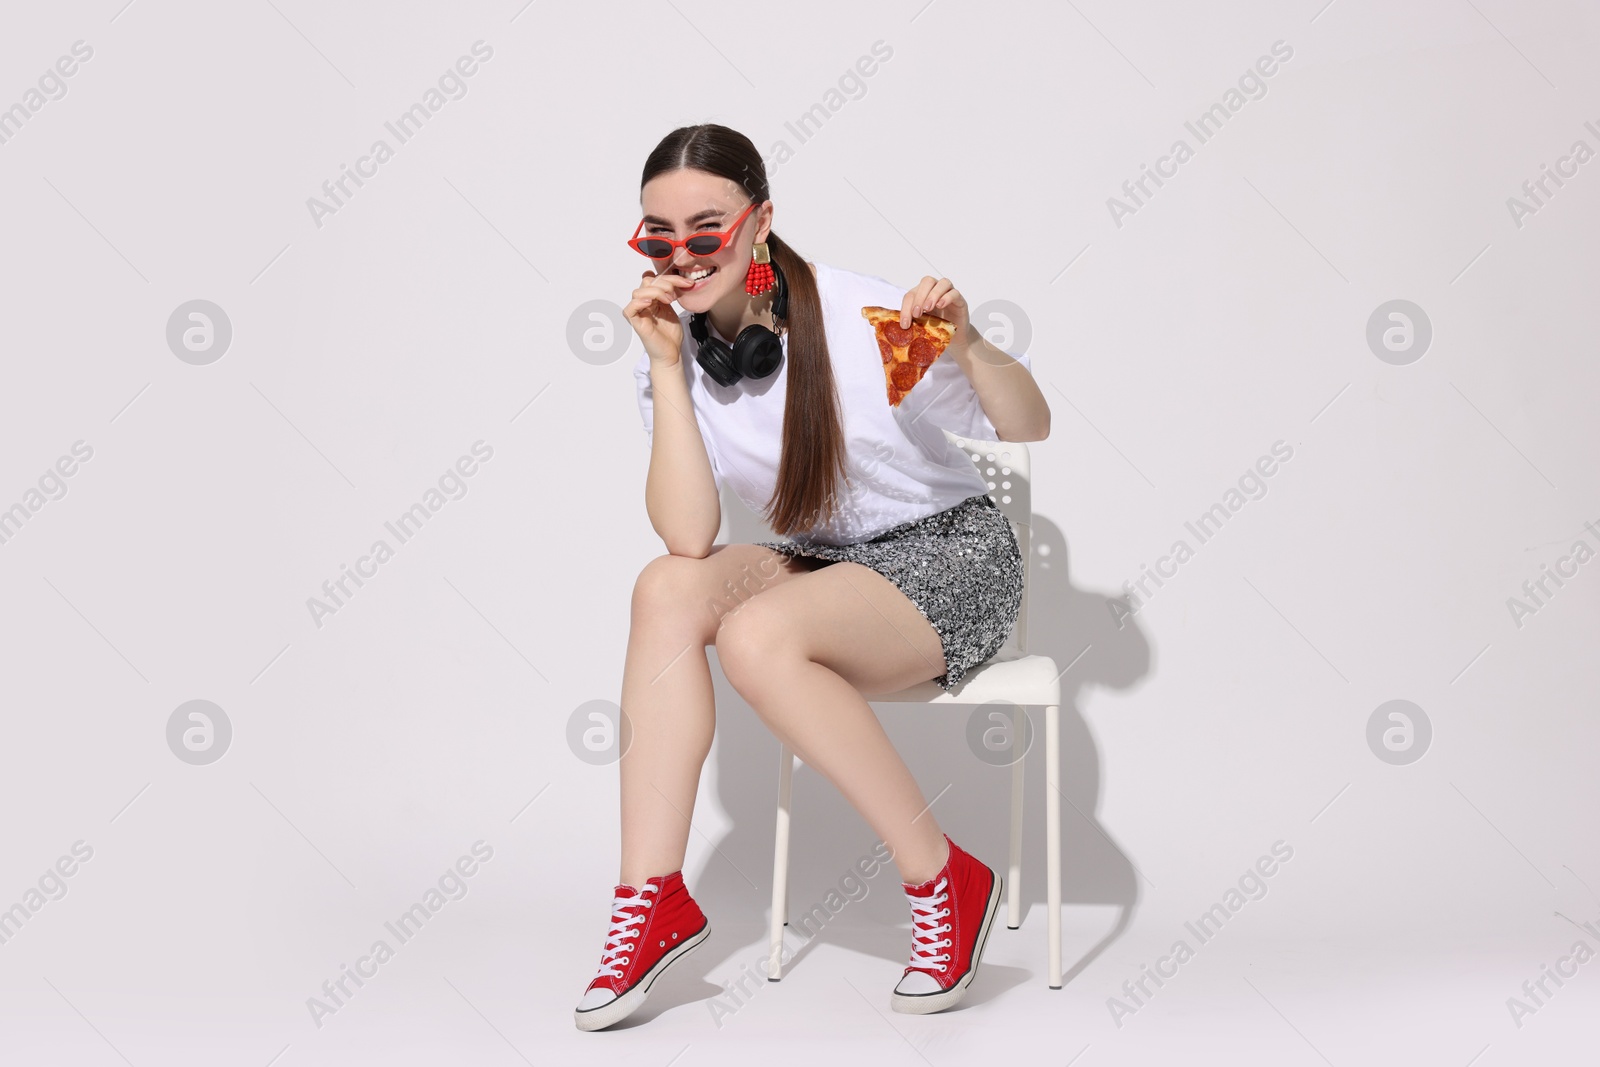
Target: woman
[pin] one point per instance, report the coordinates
(905, 572)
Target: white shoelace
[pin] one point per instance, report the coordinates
(622, 924)
(924, 931)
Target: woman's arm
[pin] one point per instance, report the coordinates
(1010, 398)
(680, 491)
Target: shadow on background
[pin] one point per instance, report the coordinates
(828, 836)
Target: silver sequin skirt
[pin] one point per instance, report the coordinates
(961, 567)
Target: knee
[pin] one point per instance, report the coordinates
(670, 592)
(751, 643)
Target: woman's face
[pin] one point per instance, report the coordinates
(687, 201)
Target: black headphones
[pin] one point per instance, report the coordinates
(756, 352)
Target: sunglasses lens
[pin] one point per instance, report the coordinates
(705, 246)
(655, 249)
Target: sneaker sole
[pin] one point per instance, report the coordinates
(928, 1003)
(615, 1011)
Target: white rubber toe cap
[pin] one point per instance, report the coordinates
(917, 982)
(595, 997)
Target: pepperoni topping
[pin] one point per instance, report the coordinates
(895, 333)
(905, 375)
(923, 350)
(887, 349)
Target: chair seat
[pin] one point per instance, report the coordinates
(1009, 676)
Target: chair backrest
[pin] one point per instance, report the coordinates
(1004, 466)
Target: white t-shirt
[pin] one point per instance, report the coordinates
(901, 466)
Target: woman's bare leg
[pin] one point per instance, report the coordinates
(803, 653)
(668, 712)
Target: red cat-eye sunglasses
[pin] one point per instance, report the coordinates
(699, 244)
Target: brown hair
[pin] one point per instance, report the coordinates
(813, 451)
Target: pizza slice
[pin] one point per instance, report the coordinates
(907, 352)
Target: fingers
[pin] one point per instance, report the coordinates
(646, 308)
(643, 298)
(654, 289)
(929, 293)
(667, 278)
(664, 286)
(909, 305)
(949, 306)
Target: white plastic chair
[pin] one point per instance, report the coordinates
(1012, 676)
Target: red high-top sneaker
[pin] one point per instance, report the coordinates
(950, 918)
(652, 928)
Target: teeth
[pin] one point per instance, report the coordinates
(697, 275)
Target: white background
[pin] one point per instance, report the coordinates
(434, 309)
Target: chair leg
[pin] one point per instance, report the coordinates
(1018, 751)
(780, 865)
(1052, 834)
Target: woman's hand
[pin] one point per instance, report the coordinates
(650, 312)
(936, 296)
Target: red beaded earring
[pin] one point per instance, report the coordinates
(759, 280)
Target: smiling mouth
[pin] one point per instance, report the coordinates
(698, 276)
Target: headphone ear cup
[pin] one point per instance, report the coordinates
(712, 355)
(718, 361)
(757, 351)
